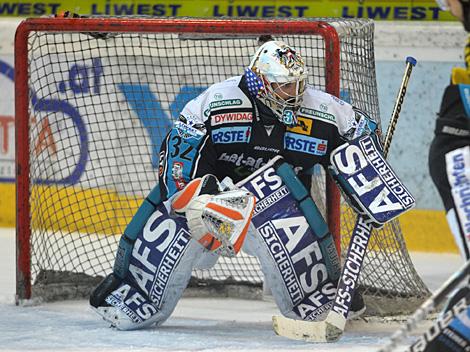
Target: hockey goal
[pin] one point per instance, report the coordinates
(95, 97)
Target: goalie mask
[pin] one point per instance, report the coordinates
(277, 76)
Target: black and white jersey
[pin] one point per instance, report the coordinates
(227, 132)
(449, 156)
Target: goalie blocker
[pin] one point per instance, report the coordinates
(369, 182)
(286, 234)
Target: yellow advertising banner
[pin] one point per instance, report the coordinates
(418, 10)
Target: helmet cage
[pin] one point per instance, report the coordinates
(282, 79)
(283, 97)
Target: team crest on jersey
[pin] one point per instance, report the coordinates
(323, 107)
(304, 126)
(189, 127)
(177, 174)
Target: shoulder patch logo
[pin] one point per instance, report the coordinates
(304, 126)
(318, 114)
(189, 127)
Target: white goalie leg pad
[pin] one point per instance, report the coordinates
(116, 318)
(220, 222)
(126, 308)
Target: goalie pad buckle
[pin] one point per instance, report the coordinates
(369, 182)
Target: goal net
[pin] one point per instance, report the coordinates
(94, 100)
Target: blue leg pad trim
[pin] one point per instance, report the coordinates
(155, 196)
(139, 220)
(301, 195)
(292, 182)
(123, 257)
(126, 243)
(314, 218)
(330, 254)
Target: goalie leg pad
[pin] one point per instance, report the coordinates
(160, 267)
(313, 216)
(288, 250)
(126, 308)
(126, 243)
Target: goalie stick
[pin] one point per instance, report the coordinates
(427, 307)
(332, 328)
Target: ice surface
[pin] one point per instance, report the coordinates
(197, 324)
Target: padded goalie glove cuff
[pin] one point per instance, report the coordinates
(220, 222)
(217, 219)
(208, 184)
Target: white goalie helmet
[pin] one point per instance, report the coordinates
(277, 76)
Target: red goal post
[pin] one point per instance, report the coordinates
(47, 50)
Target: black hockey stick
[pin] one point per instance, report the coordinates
(332, 328)
(427, 307)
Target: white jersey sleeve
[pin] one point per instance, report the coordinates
(330, 109)
(219, 96)
(333, 110)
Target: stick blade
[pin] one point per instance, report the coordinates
(310, 331)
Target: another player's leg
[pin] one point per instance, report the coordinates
(453, 185)
(450, 152)
(458, 174)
